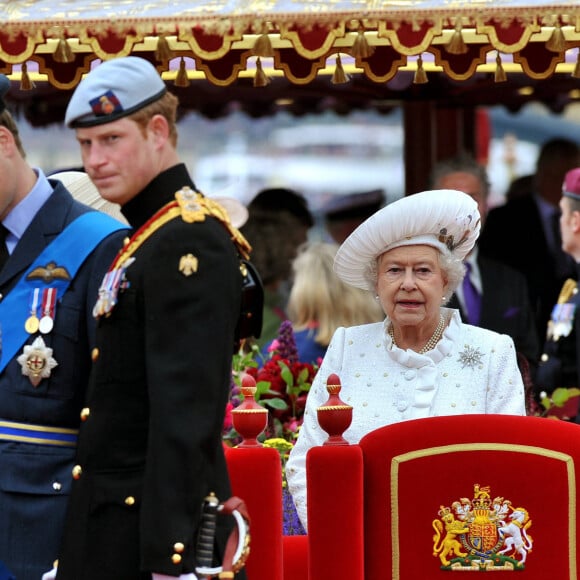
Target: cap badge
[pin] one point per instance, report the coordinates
(106, 104)
(481, 534)
(37, 361)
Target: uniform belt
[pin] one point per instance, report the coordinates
(38, 434)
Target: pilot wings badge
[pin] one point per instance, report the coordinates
(482, 534)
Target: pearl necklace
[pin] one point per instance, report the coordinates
(431, 343)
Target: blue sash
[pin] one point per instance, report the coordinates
(69, 249)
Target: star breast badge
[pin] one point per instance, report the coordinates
(470, 357)
(36, 361)
(482, 534)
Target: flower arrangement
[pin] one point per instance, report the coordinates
(282, 384)
(562, 403)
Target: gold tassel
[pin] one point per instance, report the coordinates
(261, 79)
(263, 46)
(420, 77)
(339, 77)
(163, 52)
(499, 76)
(26, 83)
(576, 73)
(457, 45)
(63, 52)
(361, 47)
(182, 80)
(557, 41)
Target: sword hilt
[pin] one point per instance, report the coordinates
(207, 531)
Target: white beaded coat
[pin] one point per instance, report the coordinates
(470, 370)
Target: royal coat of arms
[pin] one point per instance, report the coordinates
(481, 534)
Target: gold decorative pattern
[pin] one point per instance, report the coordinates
(220, 36)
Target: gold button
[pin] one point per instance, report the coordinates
(95, 354)
(544, 357)
(130, 500)
(178, 547)
(85, 413)
(126, 241)
(56, 486)
(176, 559)
(77, 472)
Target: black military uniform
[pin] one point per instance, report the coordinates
(150, 445)
(559, 360)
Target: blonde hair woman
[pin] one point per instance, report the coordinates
(320, 302)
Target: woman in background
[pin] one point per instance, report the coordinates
(320, 302)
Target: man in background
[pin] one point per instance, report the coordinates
(493, 295)
(344, 213)
(53, 254)
(559, 362)
(279, 220)
(524, 233)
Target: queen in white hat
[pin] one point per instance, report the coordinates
(422, 360)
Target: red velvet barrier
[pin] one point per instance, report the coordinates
(256, 477)
(295, 557)
(335, 515)
(415, 469)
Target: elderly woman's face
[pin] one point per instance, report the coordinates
(410, 284)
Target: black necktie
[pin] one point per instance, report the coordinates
(3, 248)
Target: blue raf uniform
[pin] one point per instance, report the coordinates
(45, 367)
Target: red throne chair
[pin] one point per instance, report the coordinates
(419, 498)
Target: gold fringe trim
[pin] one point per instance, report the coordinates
(557, 41)
(63, 52)
(260, 79)
(182, 80)
(163, 52)
(26, 84)
(263, 46)
(339, 77)
(420, 77)
(361, 47)
(499, 76)
(576, 72)
(457, 45)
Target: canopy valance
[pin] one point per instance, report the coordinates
(224, 40)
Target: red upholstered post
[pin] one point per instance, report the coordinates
(335, 513)
(256, 477)
(295, 557)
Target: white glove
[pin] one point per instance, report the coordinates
(154, 576)
(50, 575)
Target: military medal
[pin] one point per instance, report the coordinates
(113, 281)
(36, 361)
(46, 323)
(561, 321)
(32, 323)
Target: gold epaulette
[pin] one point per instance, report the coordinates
(192, 207)
(195, 206)
(568, 288)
